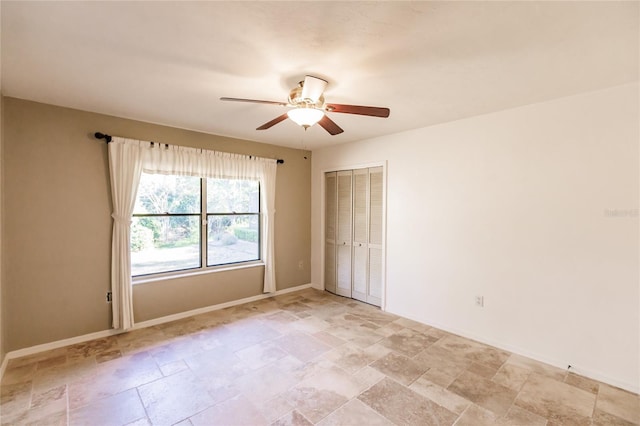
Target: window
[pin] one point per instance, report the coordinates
(184, 222)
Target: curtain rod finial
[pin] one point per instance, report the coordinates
(99, 135)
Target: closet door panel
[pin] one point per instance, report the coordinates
(376, 205)
(344, 233)
(374, 296)
(376, 215)
(330, 220)
(360, 258)
(360, 231)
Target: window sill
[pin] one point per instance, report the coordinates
(186, 274)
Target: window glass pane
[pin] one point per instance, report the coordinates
(233, 238)
(163, 244)
(232, 196)
(168, 194)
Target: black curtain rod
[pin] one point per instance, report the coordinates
(100, 135)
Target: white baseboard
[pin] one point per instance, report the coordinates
(586, 372)
(106, 333)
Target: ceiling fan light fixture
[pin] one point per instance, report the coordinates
(305, 117)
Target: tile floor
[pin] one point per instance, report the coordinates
(298, 359)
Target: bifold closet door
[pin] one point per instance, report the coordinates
(376, 217)
(330, 220)
(360, 233)
(344, 233)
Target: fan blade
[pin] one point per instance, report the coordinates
(330, 126)
(273, 122)
(312, 88)
(358, 109)
(254, 101)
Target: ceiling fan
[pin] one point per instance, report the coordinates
(308, 107)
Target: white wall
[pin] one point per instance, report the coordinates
(535, 208)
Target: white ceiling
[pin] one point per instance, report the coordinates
(429, 62)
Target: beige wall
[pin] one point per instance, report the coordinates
(2, 323)
(534, 208)
(57, 231)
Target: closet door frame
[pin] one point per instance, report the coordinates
(323, 189)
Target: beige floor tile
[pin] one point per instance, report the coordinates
(477, 416)
(302, 346)
(512, 376)
(51, 362)
(292, 418)
(34, 358)
(175, 398)
(44, 407)
(329, 339)
(368, 377)
(178, 349)
(474, 352)
(64, 374)
(146, 422)
(350, 358)
(446, 361)
(91, 348)
(602, 418)
(265, 383)
(405, 407)
(274, 408)
(408, 342)
(108, 355)
(323, 392)
(241, 336)
(483, 392)
(173, 367)
(261, 354)
(56, 396)
(19, 373)
(521, 417)
(449, 400)
(355, 412)
(399, 367)
(234, 411)
(537, 367)
(36, 418)
(414, 325)
(618, 402)
(483, 370)
(439, 377)
(140, 340)
(311, 325)
(112, 378)
(219, 363)
(15, 398)
(313, 403)
(581, 382)
(301, 358)
(556, 401)
(118, 409)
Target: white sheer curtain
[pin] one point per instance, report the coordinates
(268, 207)
(177, 160)
(125, 168)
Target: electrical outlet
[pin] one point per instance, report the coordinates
(480, 301)
(301, 265)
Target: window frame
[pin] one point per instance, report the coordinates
(203, 216)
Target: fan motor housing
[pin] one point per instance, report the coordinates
(295, 98)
